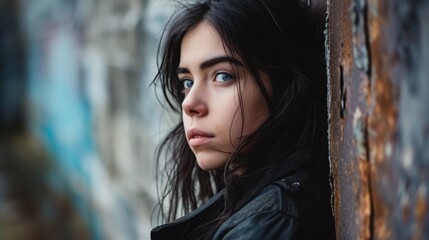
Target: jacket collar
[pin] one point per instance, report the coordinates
(180, 227)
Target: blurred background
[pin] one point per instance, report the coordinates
(79, 123)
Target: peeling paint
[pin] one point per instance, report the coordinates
(359, 128)
(360, 51)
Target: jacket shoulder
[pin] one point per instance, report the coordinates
(272, 214)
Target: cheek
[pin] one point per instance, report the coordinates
(186, 121)
(255, 114)
(254, 118)
(255, 110)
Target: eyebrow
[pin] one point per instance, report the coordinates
(211, 62)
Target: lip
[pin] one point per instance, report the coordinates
(197, 137)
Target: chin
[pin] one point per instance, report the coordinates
(208, 166)
(211, 163)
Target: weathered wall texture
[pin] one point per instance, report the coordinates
(78, 121)
(378, 57)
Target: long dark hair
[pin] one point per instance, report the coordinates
(278, 38)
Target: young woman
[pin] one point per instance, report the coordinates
(249, 158)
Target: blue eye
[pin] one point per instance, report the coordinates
(223, 77)
(187, 83)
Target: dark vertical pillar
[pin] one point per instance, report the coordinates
(12, 74)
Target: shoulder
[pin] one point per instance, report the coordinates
(272, 214)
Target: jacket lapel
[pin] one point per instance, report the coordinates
(184, 227)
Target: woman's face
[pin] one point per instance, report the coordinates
(213, 119)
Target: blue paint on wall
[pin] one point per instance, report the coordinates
(59, 112)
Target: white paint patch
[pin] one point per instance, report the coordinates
(388, 149)
(407, 157)
(356, 116)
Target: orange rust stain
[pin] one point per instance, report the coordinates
(337, 203)
(364, 207)
(382, 117)
(346, 35)
(421, 210)
(381, 229)
(382, 122)
(406, 212)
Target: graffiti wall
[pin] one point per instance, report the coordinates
(79, 122)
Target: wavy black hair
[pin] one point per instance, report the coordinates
(282, 40)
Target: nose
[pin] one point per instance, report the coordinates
(195, 103)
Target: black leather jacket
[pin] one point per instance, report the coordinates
(293, 207)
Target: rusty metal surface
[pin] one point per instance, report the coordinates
(399, 118)
(348, 68)
(378, 63)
